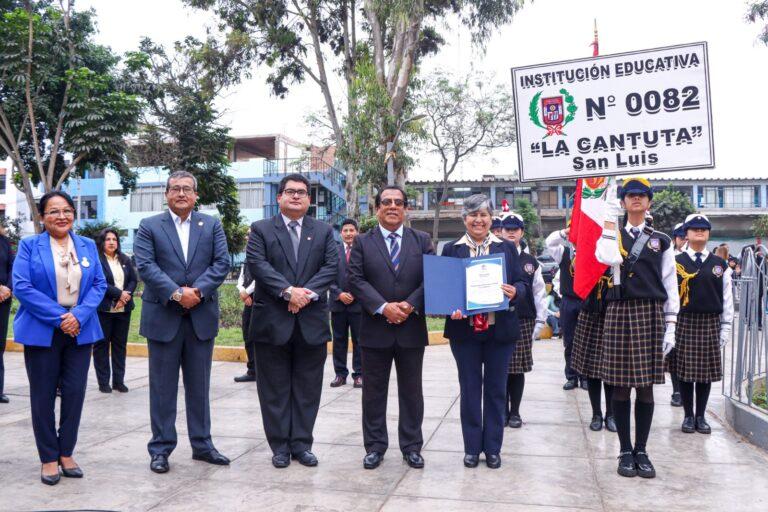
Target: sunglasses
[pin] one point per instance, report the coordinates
(389, 202)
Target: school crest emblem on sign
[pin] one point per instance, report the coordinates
(654, 244)
(556, 112)
(718, 270)
(528, 267)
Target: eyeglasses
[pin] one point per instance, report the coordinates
(61, 213)
(176, 190)
(295, 192)
(388, 202)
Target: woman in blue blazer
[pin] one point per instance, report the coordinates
(483, 344)
(59, 283)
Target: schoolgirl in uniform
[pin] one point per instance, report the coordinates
(704, 323)
(678, 238)
(531, 313)
(640, 321)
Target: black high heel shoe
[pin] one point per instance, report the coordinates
(74, 472)
(49, 479)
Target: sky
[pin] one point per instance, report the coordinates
(543, 31)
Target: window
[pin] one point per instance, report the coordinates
(115, 192)
(729, 197)
(548, 198)
(250, 194)
(88, 206)
(2, 180)
(456, 196)
(567, 196)
(148, 198)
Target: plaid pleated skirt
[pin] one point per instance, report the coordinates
(633, 334)
(522, 358)
(588, 344)
(697, 338)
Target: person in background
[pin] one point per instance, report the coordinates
(246, 286)
(679, 239)
(496, 227)
(114, 312)
(345, 313)
(553, 313)
(59, 282)
(723, 252)
(6, 266)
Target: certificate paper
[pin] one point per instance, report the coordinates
(483, 280)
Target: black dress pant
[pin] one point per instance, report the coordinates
(64, 364)
(289, 380)
(193, 356)
(115, 327)
(569, 315)
(342, 323)
(5, 311)
(377, 363)
(249, 350)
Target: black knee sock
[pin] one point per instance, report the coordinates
(643, 420)
(608, 399)
(686, 395)
(516, 384)
(593, 388)
(621, 411)
(702, 396)
(675, 382)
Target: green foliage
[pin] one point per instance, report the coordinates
(92, 229)
(669, 207)
(757, 12)
(12, 228)
(760, 227)
(527, 211)
(367, 223)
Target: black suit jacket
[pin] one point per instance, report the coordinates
(130, 280)
(6, 262)
(270, 258)
(342, 285)
(374, 281)
(507, 326)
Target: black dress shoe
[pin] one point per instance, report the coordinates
(627, 465)
(3, 399)
(372, 460)
(610, 424)
(471, 461)
(644, 467)
(583, 384)
(74, 472)
(306, 458)
(212, 457)
(122, 388)
(570, 384)
(50, 479)
(702, 427)
(493, 460)
(514, 421)
(414, 459)
(689, 425)
(159, 464)
(104, 388)
(246, 377)
(338, 381)
(358, 382)
(281, 460)
(676, 401)
(597, 423)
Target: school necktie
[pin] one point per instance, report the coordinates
(294, 238)
(698, 261)
(394, 249)
(347, 252)
(635, 232)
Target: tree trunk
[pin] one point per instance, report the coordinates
(438, 208)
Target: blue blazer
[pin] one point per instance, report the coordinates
(34, 284)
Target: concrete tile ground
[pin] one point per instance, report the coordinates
(553, 463)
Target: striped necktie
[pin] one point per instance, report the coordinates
(394, 249)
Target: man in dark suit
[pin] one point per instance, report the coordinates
(6, 265)
(345, 313)
(387, 277)
(182, 258)
(293, 259)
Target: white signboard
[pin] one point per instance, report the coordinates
(628, 113)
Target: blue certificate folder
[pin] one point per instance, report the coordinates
(445, 287)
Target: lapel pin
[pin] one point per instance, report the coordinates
(309, 238)
(84, 262)
(200, 223)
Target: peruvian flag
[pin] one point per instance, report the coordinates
(587, 219)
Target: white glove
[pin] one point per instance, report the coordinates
(537, 331)
(669, 339)
(725, 335)
(614, 209)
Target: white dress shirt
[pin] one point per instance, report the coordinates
(182, 229)
(556, 243)
(726, 317)
(385, 233)
(312, 295)
(241, 282)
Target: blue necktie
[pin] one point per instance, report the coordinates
(635, 232)
(394, 249)
(698, 260)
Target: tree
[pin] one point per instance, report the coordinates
(669, 207)
(92, 229)
(526, 210)
(63, 104)
(464, 117)
(180, 129)
(757, 12)
(311, 39)
(760, 227)
(12, 227)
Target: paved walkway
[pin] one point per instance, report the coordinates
(553, 463)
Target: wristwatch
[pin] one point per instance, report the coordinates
(177, 295)
(287, 293)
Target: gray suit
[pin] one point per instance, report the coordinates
(178, 337)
